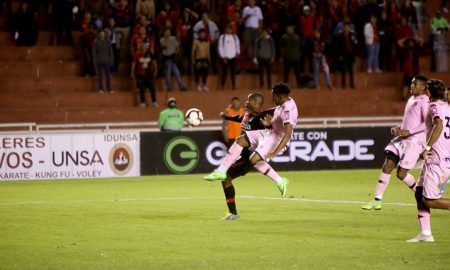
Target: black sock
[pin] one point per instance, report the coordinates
(230, 196)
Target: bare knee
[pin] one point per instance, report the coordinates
(227, 183)
(428, 203)
(242, 141)
(255, 158)
(401, 173)
(388, 166)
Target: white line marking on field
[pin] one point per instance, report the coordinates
(108, 201)
(196, 198)
(320, 201)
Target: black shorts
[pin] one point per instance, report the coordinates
(241, 166)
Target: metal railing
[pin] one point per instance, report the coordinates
(319, 122)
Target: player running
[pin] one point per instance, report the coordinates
(266, 143)
(250, 120)
(436, 155)
(403, 151)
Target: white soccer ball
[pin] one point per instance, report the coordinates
(193, 117)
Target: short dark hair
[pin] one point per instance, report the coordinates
(258, 98)
(420, 77)
(234, 98)
(281, 89)
(436, 88)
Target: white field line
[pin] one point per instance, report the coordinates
(321, 201)
(196, 198)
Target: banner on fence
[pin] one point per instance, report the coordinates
(309, 149)
(62, 156)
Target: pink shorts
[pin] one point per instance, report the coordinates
(433, 178)
(407, 151)
(263, 141)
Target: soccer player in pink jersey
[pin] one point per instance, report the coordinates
(266, 143)
(403, 151)
(436, 155)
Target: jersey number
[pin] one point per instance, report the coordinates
(447, 125)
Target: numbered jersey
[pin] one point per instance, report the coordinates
(441, 148)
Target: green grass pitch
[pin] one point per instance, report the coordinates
(172, 222)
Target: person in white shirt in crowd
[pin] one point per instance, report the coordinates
(229, 50)
(253, 18)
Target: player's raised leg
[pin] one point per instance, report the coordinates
(233, 153)
(268, 171)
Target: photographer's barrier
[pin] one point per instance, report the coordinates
(62, 156)
(309, 149)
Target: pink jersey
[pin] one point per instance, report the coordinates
(414, 118)
(286, 113)
(440, 151)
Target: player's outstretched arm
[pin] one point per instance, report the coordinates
(267, 112)
(235, 118)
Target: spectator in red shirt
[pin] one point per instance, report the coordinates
(233, 8)
(144, 68)
(123, 17)
(410, 48)
(393, 13)
(166, 14)
(409, 11)
(185, 31)
(141, 40)
(402, 31)
(387, 41)
(335, 12)
(86, 43)
(307, 38)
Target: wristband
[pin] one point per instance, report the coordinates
(427, 148)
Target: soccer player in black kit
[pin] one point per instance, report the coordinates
(250, 120)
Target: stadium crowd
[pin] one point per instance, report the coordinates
(237, 36)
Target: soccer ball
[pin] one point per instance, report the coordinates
(193, 117)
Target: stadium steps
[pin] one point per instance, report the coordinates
(54, 77)
(37, 70)
(132, 114)
(45, 38)
(43, 84)
(121, 106)
(10, 54)
(130, 98)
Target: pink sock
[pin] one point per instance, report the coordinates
(383, 182)
(233, 154)
(410, 181)
(424, 220)
(267, 170)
